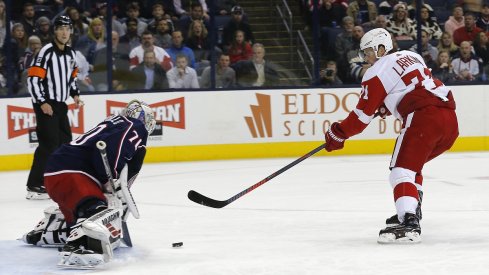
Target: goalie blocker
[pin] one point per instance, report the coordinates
(75, 178)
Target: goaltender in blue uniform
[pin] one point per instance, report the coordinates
(88, 221)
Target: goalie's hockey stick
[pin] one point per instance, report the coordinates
(201, 199)
(101, 146)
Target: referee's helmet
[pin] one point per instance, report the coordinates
(63, 20)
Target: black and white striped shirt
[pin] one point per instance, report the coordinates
(52, 75)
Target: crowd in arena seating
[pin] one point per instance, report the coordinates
(180, 29)
(155, 44)
(454, 35)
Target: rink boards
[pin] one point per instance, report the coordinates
(238, 124)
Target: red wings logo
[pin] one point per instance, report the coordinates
(21, 120)
(170, 112)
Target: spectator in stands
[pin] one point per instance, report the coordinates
(136, 56)
(386, 8)
(93, 41)
(182, 7)
(330, 14)
(446, 44)
(182, 76)
(198, 40)
(443, 68)
(343, 44)
(164, 29)
(467, 32)
(362, 11)
(43, 30)
(83, 80)
(131, 39)
(455, 21)
(149, 74)
(20, 37)
(158, 13)
(120, 64)
(236, 23)
(411, 8)
(428, 51)
(28, 18)
(483, 21)
(400, 25)
(256, 72)
(196, 14)
(177, 47)
(225, 76)
(473, 6)
(223, 7)
(328, 76)
(133, 11)
(481, 48)
(380, 22)
(3, 22)
(239, 49)
(358, 67)
(429, 25)
(466, 66)
(80, 28)
(101, 12)
(34, 45)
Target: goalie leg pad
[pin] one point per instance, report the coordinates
(51, 231)
(92, 240)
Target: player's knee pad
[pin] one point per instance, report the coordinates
(400, 175)
(51, 231)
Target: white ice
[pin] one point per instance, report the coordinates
(320, 217)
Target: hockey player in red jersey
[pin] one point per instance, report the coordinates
(88, 221)
(400, 84)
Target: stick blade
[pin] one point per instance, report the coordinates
(126, 238)
(206, 201)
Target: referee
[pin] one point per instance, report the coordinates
(50, 80)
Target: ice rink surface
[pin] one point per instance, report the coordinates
(320, 217)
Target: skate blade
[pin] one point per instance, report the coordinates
(389, 238)
(73, 261)
(77, 267)
(37, 196)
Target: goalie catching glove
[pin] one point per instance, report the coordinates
(335, 138)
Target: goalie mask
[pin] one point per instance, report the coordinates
(374, 39)
(140, 111)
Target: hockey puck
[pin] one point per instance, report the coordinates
(179, 244)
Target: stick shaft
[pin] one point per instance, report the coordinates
(102, 147)
(201, 199)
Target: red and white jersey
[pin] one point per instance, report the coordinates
(392, 77)
(387, 82)
(136, 57)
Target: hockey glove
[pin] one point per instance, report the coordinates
(335, 138)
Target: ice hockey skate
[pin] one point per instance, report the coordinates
(408, 231)
(394, 220)
(36, 193)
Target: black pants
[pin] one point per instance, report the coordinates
(52, 131)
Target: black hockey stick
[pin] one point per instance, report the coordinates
(201, 199)
(101, 146)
